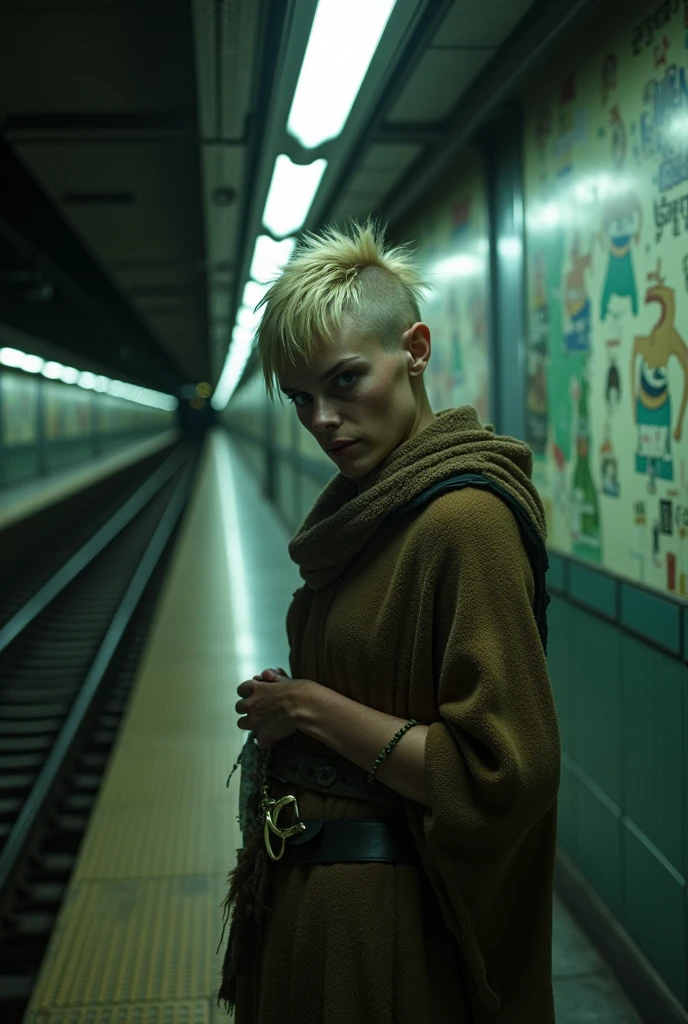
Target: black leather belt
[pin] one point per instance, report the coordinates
(334, 776)
(353, 839)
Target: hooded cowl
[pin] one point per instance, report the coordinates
(342, 521)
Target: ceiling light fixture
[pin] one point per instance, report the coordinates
(246, 317)
(239, 351)
(343, 39)
(69, 375)
(291, 194)
(253, 293)
(269, 257)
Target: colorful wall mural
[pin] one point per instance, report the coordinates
(606, 198)
(453, 248)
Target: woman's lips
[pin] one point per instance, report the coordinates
(336, 452)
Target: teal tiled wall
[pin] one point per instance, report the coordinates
(616, 658)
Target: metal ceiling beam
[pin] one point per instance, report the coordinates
(275, 17)
(418, 132)
(536, 35)
(109, 330)
(100, 121)
(424, 32)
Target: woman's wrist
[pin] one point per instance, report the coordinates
(303, 702)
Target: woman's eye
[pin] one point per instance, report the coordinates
(293, 398)
(349, 373)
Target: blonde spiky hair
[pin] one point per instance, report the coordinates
(331, 276)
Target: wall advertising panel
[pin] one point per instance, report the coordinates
(606, 194)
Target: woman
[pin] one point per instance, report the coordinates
(422, 894)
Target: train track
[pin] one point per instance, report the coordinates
(68, 660)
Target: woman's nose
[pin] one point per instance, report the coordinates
(323, 415)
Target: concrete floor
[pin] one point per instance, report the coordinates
(585, 990)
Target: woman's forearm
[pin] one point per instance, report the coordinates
(359, 733)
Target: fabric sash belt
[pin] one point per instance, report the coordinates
(355, 839)
(336, 776)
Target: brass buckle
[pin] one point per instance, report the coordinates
(272, 814)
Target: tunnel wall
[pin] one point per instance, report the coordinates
(605, 174)
(586, 185)
(46, 426)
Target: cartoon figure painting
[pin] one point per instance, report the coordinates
(577, 337)
(610, 463)
(617, 131)
(609, 73)
(537, 419)
(585, 517)
(622, 219)
(651, 401)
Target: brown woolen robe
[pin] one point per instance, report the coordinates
(427, 616)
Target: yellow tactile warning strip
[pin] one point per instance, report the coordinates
(133, 941)
(133, 1013)
(137, 935)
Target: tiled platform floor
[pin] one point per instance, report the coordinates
(136, 939)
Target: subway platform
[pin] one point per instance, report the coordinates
(137, 934)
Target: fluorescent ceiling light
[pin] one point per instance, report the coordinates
(52, 370)
(291, 193)
(461, 265)
(343, 39)
(239, 351)
(510, 246)
(32, 364)
(269, 257)
(11, 357)
(85, 379)
(247, 318)
(253, 293)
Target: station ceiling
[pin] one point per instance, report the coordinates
(150, 129)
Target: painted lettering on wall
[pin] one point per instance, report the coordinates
(662, 123)
(645, 32)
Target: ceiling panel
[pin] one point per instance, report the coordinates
(381, 167)
(221, 167)
(157, 230)
(189, 348)
(438, 82)
(152, 171)
(226, 30)
(105, 59)
(389, 158)
(487, 24)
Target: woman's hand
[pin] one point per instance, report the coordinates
(271, 674)
(270, 711)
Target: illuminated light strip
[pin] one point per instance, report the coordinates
(291, 194)
(269, 257)
(18, 360)
(246, 652)
(343, 40)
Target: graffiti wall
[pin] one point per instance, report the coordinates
(606, 193)
(452, 242)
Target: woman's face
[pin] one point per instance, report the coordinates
(355, 390)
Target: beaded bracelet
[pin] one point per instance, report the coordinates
(383, 753)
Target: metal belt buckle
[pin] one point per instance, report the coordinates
(271, 816)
